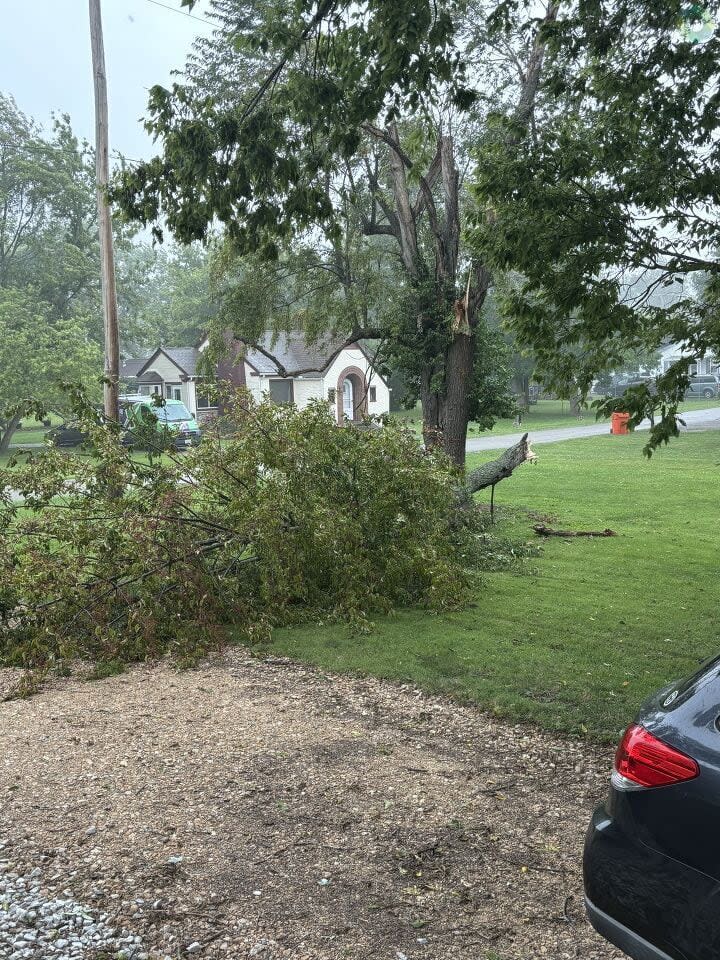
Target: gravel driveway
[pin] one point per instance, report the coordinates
(261, 809)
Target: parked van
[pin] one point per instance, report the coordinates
(172, 416)
(704, 386)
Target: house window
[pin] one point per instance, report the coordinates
(203, 402)
(173, 391)
(693, 369)
(148, 389)
(373, 394)
(281, 391)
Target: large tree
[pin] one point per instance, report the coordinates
(621, 180)
(346, 124)
(164, 293)
(47, 215)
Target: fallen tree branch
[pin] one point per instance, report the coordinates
(542, 531)
(488, 474)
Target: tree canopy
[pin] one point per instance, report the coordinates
(335, 140)
(38, 353)
(49, 315)
(621, 180)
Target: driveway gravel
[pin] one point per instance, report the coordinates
(254, 808)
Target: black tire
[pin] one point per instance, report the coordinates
(708, 394)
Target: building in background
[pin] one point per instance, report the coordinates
(342, 376)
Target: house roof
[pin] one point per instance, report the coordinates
(150, 376)
(131, 368)
(293, 352)
(184, 358)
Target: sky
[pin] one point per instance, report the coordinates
(45, 61)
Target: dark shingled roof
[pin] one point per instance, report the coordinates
(131, 368)
(294, 353)
(149, 377)
(184, 357)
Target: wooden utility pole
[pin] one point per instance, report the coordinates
(107, 259)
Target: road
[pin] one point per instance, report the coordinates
(708, 419)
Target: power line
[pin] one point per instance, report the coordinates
(183, 13)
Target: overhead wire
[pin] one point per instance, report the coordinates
(183, 13)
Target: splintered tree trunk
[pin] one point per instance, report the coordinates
(489, 474)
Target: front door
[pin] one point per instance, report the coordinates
(348, 405)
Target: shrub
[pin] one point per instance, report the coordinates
(113, 558)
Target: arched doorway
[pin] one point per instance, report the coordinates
(352, 404)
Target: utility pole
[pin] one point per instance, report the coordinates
(107, 260)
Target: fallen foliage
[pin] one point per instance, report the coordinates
(117, 557)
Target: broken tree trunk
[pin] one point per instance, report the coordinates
(490, 474)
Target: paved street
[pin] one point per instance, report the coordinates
(708, 419)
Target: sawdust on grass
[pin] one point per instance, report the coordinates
(316, 816)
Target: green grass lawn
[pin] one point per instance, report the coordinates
(31, 431)
(544, 415)
(575, 639)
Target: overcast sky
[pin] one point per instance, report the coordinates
(45, 60)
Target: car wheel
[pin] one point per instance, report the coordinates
(708, 394)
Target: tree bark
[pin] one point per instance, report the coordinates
(10, 427)
(404, 209)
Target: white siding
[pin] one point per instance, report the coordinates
(190, 396)
(305, 390)
(169, 372)
(356, 358)
(254, 383)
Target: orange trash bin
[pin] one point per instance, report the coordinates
(619, 423)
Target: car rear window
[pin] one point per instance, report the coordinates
(685, 688)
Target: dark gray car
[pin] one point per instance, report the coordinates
(704, 386)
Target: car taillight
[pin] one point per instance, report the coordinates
(644, 761)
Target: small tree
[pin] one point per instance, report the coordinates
(37, 355)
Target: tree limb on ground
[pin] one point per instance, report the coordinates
(542, 531)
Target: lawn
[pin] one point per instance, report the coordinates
(576, 638)
(33, 432)
(544, 415)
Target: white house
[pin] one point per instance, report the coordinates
(342, 376)
(672, 352)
